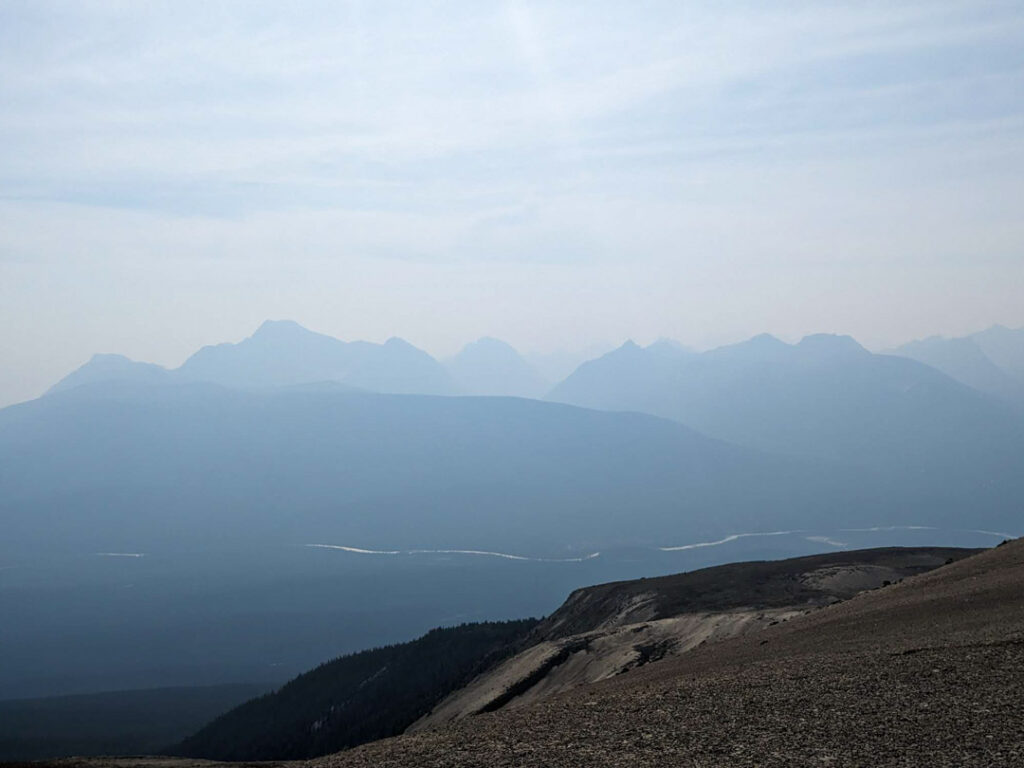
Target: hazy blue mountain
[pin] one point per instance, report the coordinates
(669, 347)
(168, 525)
(1004, 347)
(176, 520)
(283, 353)
(357, 698)
(555, 365)
(492, 367)
(110, 368)
(278, 353)
(130, 468)
(826, 396)
(119, 468)
(628, 378)
(991, 361)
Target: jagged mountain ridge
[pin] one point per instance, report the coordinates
(283, 353)
(489, 366)
(990, 361)
(826, 396)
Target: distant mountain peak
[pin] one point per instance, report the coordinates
(666, 346)
(269, 325)
(628, 350)
(831, 343)
(766, 340)
(105, 366)
(764, 346)
(109, 357)
(489, 342)
(490, 366)
(991, 360)
(276, 330)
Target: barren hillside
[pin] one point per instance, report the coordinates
(609, 629)
(926, 672)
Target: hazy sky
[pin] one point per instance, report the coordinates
(554, 174)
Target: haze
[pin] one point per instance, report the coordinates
(173, 174)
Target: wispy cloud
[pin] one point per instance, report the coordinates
(731, 163)
(324, 99)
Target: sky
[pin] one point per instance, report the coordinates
(555, 174)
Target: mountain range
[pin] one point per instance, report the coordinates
(825, 397)
(288, 436)
(283, 353)
(293, 497)
(129, 468)
(990, 361)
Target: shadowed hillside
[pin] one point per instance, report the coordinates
(357, 698)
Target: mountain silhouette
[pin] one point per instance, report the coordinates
(283, 353)
(825, 397)
(107, 368)
(126, 468)
(1005, 347)
(206, 466)
(491, 367)
(990, 361)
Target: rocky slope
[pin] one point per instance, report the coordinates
(926, 672)
(603, 631)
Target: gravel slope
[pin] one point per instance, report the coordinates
(608, 629)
